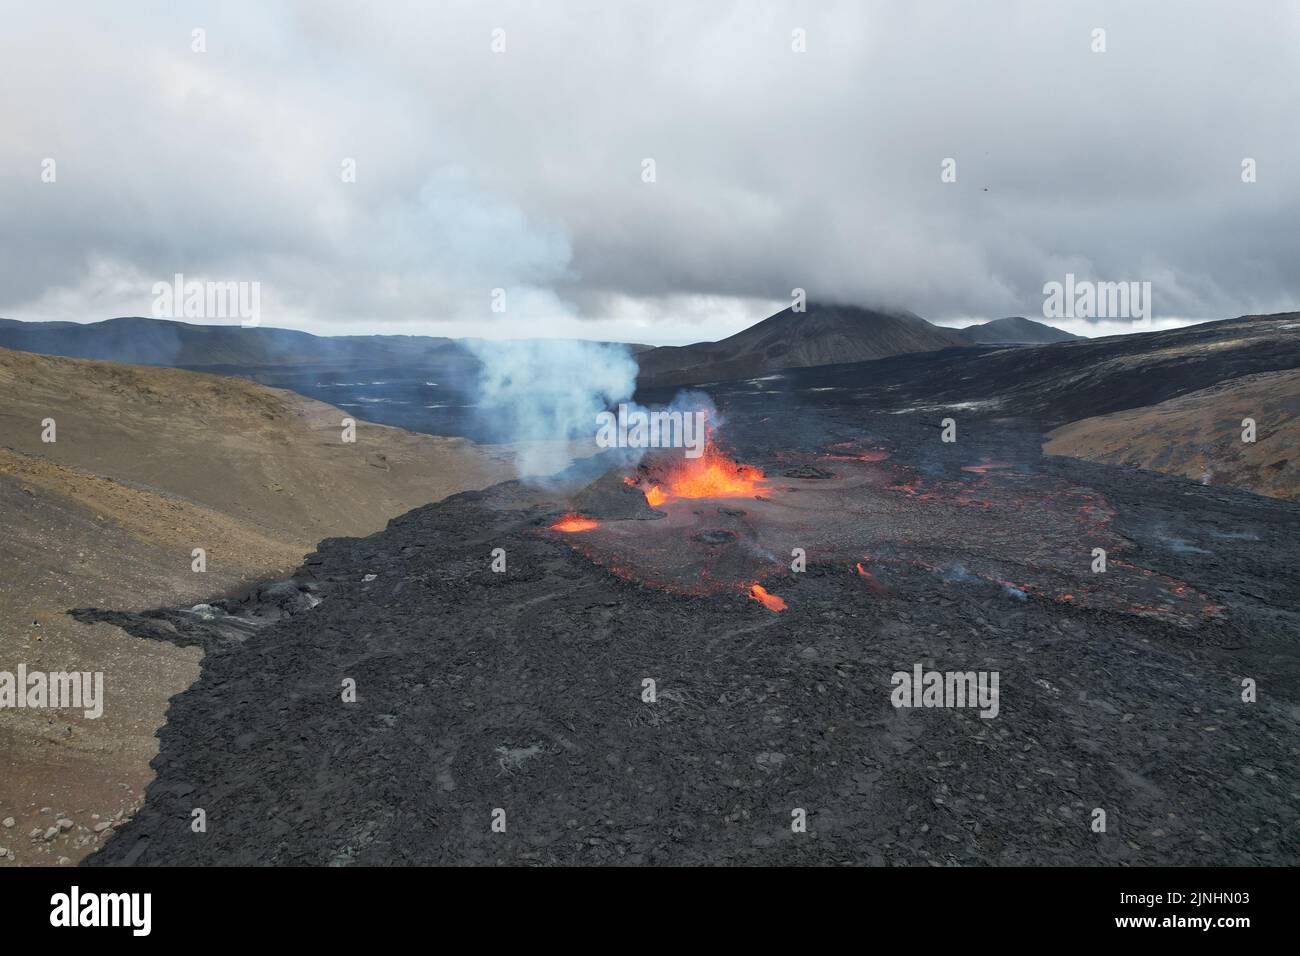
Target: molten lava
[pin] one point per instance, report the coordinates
(572, 522)
(1003, 533)
(872, 581)
(769, 601)
(712, 475)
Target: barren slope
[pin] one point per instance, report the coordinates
(258, 454)
(1199, 435)
(150, 463)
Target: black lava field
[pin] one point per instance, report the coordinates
(519, 697)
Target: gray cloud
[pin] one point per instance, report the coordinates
(522, 170)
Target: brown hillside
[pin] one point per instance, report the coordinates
(150, 463)
(1198, 435)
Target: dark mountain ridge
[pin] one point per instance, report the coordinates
(1015, 330)
(821, 335)
(137, 340)
(1059, 382)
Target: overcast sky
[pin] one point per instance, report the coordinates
(523, 169)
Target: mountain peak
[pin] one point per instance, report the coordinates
(821, 334)
(1015, 330)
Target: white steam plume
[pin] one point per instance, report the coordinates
(543, 391)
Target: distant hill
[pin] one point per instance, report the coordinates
(821, 335)
(146, 341)
(1014, 330)
(1067, 381)
(233, 350)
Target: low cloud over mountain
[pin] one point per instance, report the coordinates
(773, 167)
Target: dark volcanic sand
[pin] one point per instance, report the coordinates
(523, 691)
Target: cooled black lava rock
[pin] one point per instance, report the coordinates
(610, 497)
(807, 471)
(526, 692)
(218, 623)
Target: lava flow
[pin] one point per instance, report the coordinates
(573, 522)
(712, 475)
(769, 601)
(721, 526)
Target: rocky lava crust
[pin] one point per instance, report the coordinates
(523, 691)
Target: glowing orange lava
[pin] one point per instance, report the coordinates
(572, 523)
(769, 601)
(872, 581)
(712, 475)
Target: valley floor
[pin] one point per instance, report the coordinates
(518, 697)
